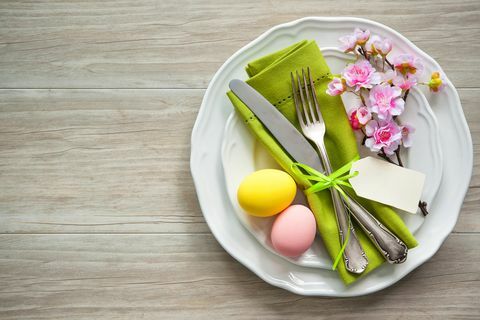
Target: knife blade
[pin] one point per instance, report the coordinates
(286, 134)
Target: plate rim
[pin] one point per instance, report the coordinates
(203, 110)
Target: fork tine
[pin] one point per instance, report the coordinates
(314, 94)
(309, 99)
(304, 105)
(301, 120)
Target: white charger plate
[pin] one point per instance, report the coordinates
(209, 181)
(242, 154)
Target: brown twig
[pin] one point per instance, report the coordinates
(389, 64)
(406, 95)
(384, 156)
(364, 136)
(364, 139)
(362, 98)
(397, 153)
(363, 52)
(423, 207)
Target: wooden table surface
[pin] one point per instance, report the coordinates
(98, 213)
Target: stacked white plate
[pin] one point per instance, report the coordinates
(223, 152)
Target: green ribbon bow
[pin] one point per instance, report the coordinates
(335, 180)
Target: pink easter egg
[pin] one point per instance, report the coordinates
(293, 231)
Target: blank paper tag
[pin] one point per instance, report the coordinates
(387, 183)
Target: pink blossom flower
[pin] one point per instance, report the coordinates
(377, 45)
(436, 82)
(354, 122)
(383, 135)
(359, 117)
(407, 130)
(370, 46)
(348, 43)
(384, 46)
(385, 100)
(360, 74)
(363, 115)
(405, 82)
(407, 63)
(362, 36)
(336, 87)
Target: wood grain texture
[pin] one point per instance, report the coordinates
(98, 213)
(88, 161)
(180, 44)
(191, 276)
(97, 161)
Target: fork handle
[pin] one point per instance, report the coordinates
(354, 256)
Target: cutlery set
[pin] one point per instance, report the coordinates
(295, 143)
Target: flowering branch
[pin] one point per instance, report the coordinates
(385, 93)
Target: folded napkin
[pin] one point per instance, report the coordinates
(270, 76)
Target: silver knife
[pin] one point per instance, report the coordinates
(391, 247)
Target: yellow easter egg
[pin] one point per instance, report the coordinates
(266, 192)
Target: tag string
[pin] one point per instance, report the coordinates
(336, 180)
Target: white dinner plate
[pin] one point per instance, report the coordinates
(212, 193)
(242, 154)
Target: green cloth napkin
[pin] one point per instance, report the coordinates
(270, 76)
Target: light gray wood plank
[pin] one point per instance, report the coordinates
(469, 219)
(180, 44)
(118, 161)
(97, 161)
(469, 99)
(190, 276)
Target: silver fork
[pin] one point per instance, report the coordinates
(313, 127)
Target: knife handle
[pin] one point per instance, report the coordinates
(391, 247)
